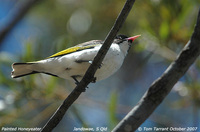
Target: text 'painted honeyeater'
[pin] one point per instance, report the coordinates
(73, 62)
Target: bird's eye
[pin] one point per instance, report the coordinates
(121, 37)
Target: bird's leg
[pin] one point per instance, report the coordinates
(77, 82)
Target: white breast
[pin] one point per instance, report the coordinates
(111, 63)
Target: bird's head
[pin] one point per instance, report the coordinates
(125, 42)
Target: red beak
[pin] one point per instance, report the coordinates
(133, 38)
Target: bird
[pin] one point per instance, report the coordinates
(73, 62)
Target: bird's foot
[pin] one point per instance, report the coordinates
(77, 83)
(94, 80)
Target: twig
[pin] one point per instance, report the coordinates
(89, 75)
(163, 85)
(15, 16)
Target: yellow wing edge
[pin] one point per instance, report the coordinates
(71, 50)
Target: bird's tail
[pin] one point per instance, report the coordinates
(22, 69)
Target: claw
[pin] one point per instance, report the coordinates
(94, 80)
(100, 65)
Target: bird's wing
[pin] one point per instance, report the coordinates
(79, 47)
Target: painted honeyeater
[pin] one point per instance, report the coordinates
(73, 62)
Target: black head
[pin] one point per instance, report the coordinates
(120, 38)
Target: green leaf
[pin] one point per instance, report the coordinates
(112, 109)
(164, 30)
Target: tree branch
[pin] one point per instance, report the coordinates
(163, 85)
(15, 16)
(89, 75)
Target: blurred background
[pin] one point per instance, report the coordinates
(50, 26)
